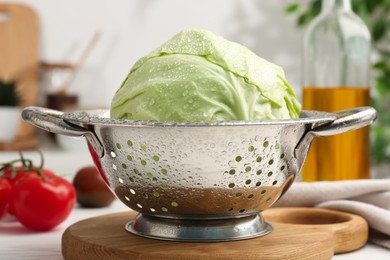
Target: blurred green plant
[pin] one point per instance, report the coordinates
(8, 94)
(376, 15)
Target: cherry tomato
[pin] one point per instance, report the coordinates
(91, 189)
(22, 172)
(5, 193)
(42, 203)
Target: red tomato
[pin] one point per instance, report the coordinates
(5, 192)
(42, 204)
(22, 172)
(91, 189)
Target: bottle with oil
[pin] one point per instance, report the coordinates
(336, 77)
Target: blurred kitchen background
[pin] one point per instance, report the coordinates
(131, 29)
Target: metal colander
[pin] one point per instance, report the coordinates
(198, 181)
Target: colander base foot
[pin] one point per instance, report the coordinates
(204, 230)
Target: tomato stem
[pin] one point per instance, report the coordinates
(22, 158)
(26, 163)
(42, 159)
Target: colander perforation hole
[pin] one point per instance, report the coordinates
(238, 158)
(114, 167)
(132, 191)
(242, 210)
(263, 192)
(283, 167)
(232, 172)
(250, 196)
(164, 209)
(120, 180)
(127, 198)
(152, 210)
(164, 186)
(129, 158)
(129, 143)
(119, 146)
(139, 205)
(112, 154)
(174, 204)
(124, 166)
(274, 182)
(266, 144)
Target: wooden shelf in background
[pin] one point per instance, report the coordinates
(19, 52)
(28, 143)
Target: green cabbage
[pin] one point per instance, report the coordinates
(198, 76)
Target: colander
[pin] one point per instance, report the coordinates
(198, 181)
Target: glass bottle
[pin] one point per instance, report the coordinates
(336, 77)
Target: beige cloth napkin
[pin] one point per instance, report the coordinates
(367, 198)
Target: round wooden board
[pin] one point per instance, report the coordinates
(105, 237)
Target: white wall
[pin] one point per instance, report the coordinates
(132, 28)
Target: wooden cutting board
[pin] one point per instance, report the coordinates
(19, 61)
(324, 233)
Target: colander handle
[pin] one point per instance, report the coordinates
(51, 120)
(347, 120)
